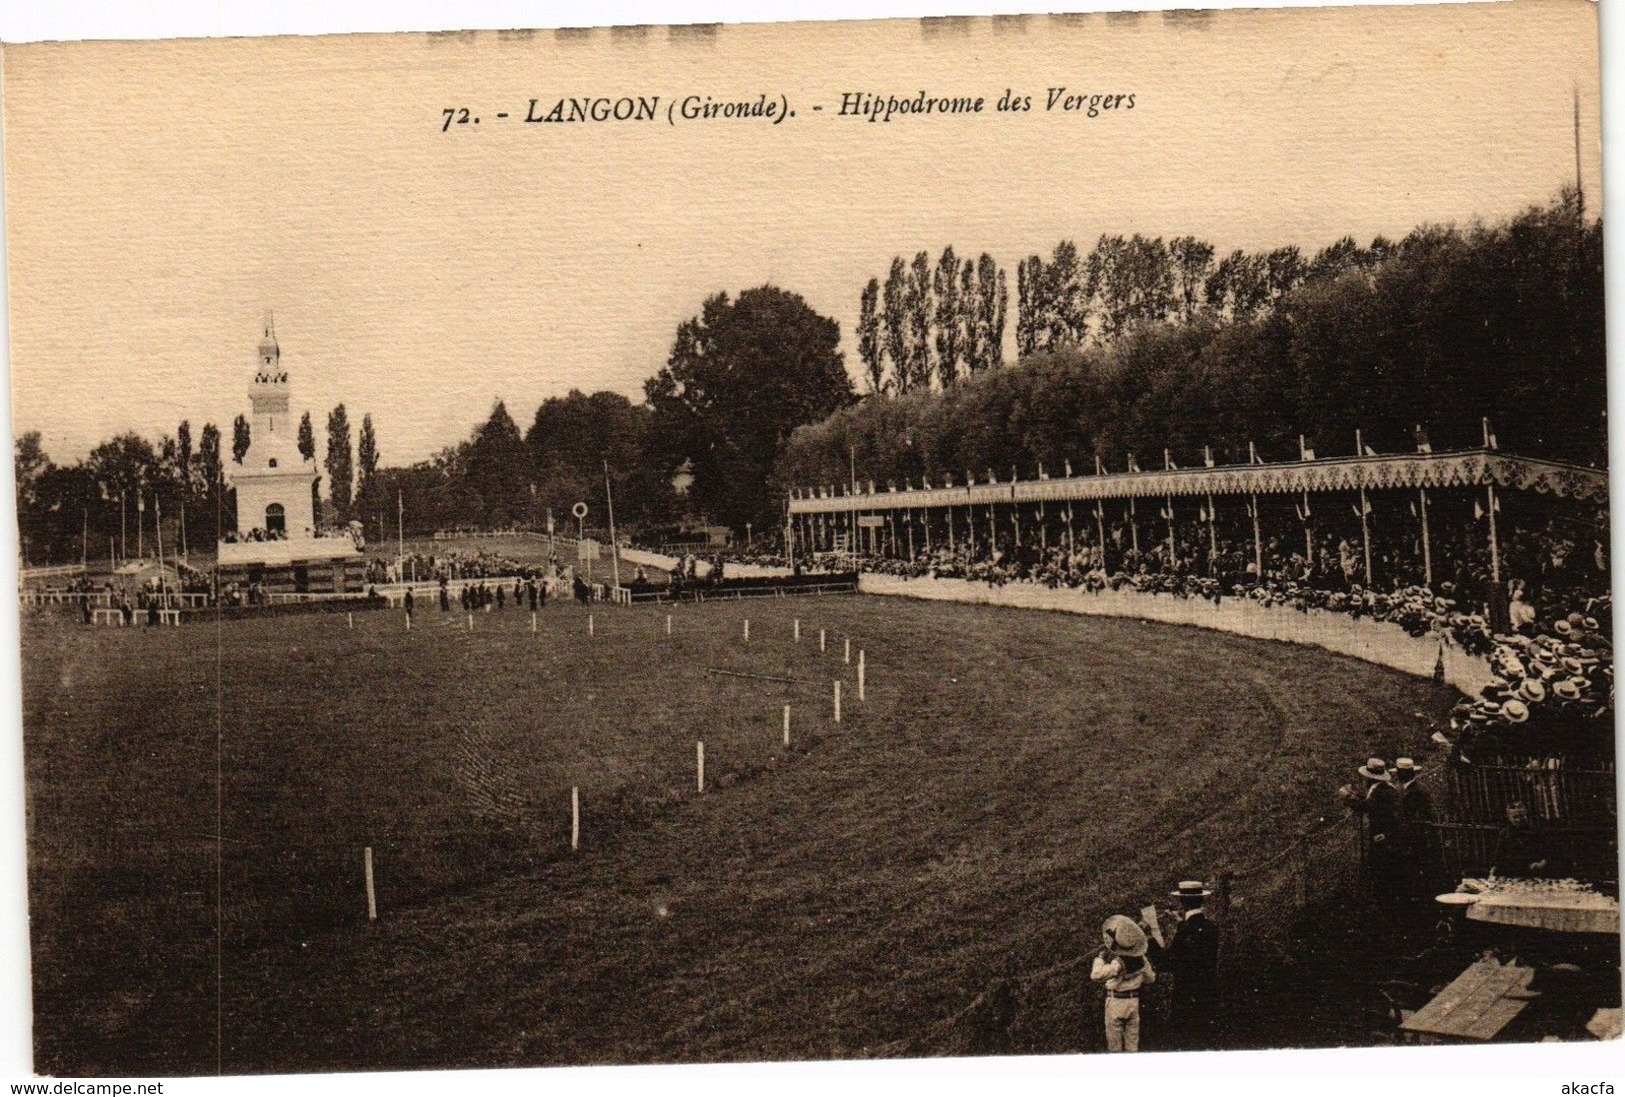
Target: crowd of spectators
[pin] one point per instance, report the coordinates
(1544, 627)
(452, 564)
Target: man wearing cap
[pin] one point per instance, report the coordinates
(1192, 957)
(1121, 965)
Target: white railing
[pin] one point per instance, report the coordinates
(1381, 642)
(55, 571)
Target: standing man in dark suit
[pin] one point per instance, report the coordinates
(1192, 958)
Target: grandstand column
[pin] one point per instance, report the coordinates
(1365, 532)
(1069, 545)
(1100, 529)
(1133, 526)
(1043, 528)
(1427, 547)
(1173, 550)
(1258, 540)
(1212, 536)
(1495, 547)
(909, 519)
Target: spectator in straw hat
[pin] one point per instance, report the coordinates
(1192, 957)
(1380, 804)
(1121, 965)
(1417, 816)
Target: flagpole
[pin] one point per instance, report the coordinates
(123, 542)
(614, 550)
(84, 540)
(183, 528)
(158, 530)
(140, 525)
(1133, 526)
(1173, 552)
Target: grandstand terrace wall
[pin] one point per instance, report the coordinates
(1379, 642)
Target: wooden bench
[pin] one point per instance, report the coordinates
(1477, 1005)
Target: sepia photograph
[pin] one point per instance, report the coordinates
(973, 537)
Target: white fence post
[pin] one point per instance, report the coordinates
(699, 764)
(372, 898)
(786, 725)
(860, 674)
(837, 700)
(575, 818)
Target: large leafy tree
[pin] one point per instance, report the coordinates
(340, 462)
(499, 470)
(575, 437)
(741, 377)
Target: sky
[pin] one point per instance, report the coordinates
(162, 196)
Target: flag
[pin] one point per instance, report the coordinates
(1207, 456)
(991, 478)
(1069, 470)
(1168, 460)
(1302, 509)
(1489, 435)
(1252, 455)
(1422, 443)
(1478, 511)
(1306, 452)
(1100, 469)
(1369, 452)
(1133, 465)
(1041, 474)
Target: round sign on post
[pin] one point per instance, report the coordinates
(579, 510)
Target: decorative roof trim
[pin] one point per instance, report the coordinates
(1462, 469)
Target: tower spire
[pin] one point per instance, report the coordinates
(268, 365)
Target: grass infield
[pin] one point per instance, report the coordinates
(1012, 778)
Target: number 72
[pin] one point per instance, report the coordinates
(454, 114)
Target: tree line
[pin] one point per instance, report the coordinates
(1142, 345)
(112, 500)
(1145, 346)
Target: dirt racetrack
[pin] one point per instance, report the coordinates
(1012, 778)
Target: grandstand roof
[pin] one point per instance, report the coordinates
(1460, 469)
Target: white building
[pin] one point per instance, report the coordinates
(276, 496)
(275, 485)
